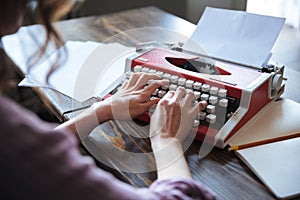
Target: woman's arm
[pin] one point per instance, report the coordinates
(85, 122)
(171, 122)
(131, 100)
(170, 160)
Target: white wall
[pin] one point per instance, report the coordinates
(290, 9)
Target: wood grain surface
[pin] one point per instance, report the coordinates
(220, 170)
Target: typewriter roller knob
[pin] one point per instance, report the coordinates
(275, 85)
(277, 81)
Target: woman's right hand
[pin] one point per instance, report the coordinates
(170, 123)
(174, 115)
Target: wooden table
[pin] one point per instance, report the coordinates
(220, 170)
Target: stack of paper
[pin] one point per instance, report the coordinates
(89, 68)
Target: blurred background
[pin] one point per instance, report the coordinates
(192, 10)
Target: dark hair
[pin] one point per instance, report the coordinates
(47, 11)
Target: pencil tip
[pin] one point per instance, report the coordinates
(233, 148)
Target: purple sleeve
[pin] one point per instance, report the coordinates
(180, 188)
(39, 163)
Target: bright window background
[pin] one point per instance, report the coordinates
(290, 9)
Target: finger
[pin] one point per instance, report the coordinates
(144, 78)
(180, 93)
(189, 97)
(169, 95)
(154, 84)
(202, 105)
(151, 102)
(152, 109)
(124, 84)
(133, 79)
(161, 81)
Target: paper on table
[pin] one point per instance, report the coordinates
(89, 69)
(236, 35)
(16, 46)
(103, 67)
(277, 165)
(64, 78)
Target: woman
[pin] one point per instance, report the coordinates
(40, 161)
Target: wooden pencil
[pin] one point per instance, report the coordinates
(252, 144)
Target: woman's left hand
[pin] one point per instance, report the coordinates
(133, 97)
(131, 100)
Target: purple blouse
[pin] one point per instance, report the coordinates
(40, 163)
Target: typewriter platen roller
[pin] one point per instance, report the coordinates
(234, 92)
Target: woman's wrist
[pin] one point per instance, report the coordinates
(85, 122)
(169, 157)
(103, 111)
(159, 142)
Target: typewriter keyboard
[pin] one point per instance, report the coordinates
(219, 108)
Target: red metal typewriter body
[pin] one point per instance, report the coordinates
(234, 92)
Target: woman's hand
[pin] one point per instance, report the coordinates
(174, 115)
(170, 123)
(130, 101)
(133, 98)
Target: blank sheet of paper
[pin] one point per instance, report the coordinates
(89, 69)
(277, 165)
(236, 35)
